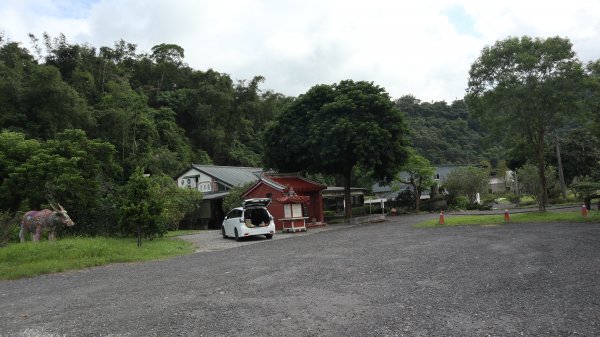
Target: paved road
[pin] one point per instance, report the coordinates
(384, 279)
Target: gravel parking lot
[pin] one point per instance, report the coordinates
(383, 279)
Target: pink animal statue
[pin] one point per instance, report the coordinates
(38, 221)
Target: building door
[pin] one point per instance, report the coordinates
(216, 214)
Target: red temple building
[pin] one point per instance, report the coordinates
(297, 202)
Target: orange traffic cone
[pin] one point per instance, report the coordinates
(506, 215)
(584, 211)
(441, 217)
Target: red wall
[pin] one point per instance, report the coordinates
(274, 208)
(314, 206)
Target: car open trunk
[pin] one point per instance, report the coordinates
(256, 217)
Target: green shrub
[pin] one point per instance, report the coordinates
(585, 187)
(328, 214)
(458, 202)
(141, 209)
(358, 211)
(406, 199)
(9, 228)
(527, 201)
(513, 198)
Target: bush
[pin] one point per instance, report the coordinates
(457, 201)
(438, 203)
(373, 209)
(329, 214)
(527, 201)
(585, 187)
(467, 181)
(406, 199)
(486, 203)
(141, 208)
(358, 211)
(530, 182)
(513, 198)
(9, 228)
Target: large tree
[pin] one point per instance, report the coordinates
(526, 89)
(333, 129)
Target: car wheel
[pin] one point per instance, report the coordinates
(269, 236)
(223, 232)
(237, 237)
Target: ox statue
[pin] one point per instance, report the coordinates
(38, 221)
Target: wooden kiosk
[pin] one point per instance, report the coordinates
(293, 220)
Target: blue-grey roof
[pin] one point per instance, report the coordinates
(231, 175)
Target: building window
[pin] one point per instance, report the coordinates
(269, 195)
(436, 176)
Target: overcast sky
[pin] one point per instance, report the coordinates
(420, 47)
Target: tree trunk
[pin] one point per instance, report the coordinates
(418, 200)
(347, 195)
(561, 175)
(543, 196)
(417, 193)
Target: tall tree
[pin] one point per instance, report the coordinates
(526, 88)
(332, 129)
(167, 56)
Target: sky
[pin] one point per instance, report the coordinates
(422, 48)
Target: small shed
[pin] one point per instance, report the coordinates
(278, 187)
(293, 216)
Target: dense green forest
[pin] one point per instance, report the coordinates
(77, 121)
(161, 114)
(443, 133)
(158, 112)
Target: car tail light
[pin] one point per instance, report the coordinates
(246, 234)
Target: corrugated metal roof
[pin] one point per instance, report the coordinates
(297, 183)
(231, 175)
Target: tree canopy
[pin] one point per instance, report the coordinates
(419, 176)
(514, 86)
(123, 110)
(335, 128)
(443, 133)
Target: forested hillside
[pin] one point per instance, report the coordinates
(161, 114)
(80, 125)
(158, 112)
(442, 133)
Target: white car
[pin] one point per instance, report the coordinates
(251, 219)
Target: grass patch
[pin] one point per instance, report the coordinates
(498, 219)
(28, 259)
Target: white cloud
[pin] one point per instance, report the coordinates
(406, 47)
